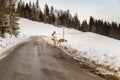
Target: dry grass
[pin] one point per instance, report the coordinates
(111, 77)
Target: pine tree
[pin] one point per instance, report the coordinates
(52, 10)
(84, 26)
(46, 10)
(19, 7)
(76, 22)
(2, 16)
(27, 11)
(11, 11)
(41, 19)
(106, 29)
(92, 24)
(52, 16)
(114, 30)
(37, 10)
(33, 11)
(46, 14)
(37, 4)
(67, 18)
(119, 31)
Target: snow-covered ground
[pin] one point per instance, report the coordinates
(98, 48)
(8, 42)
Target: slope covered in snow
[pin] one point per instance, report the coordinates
(31, 28)
(100, 49)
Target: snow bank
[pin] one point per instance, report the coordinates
(8, 42)
(98, 48)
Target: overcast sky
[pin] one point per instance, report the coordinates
(101, 9)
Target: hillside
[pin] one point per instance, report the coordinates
(101, 49)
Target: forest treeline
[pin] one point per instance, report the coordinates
(59, 17)
(53, 16)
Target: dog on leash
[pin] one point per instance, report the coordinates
(61, 41)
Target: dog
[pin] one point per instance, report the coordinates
(61, 41)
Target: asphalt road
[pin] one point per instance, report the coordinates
(37, 60)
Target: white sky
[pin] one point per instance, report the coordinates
(101, 9)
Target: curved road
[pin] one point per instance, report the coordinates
(37, 60)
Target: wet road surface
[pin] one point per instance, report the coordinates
(37, 60)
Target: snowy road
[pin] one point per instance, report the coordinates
(37, 60)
